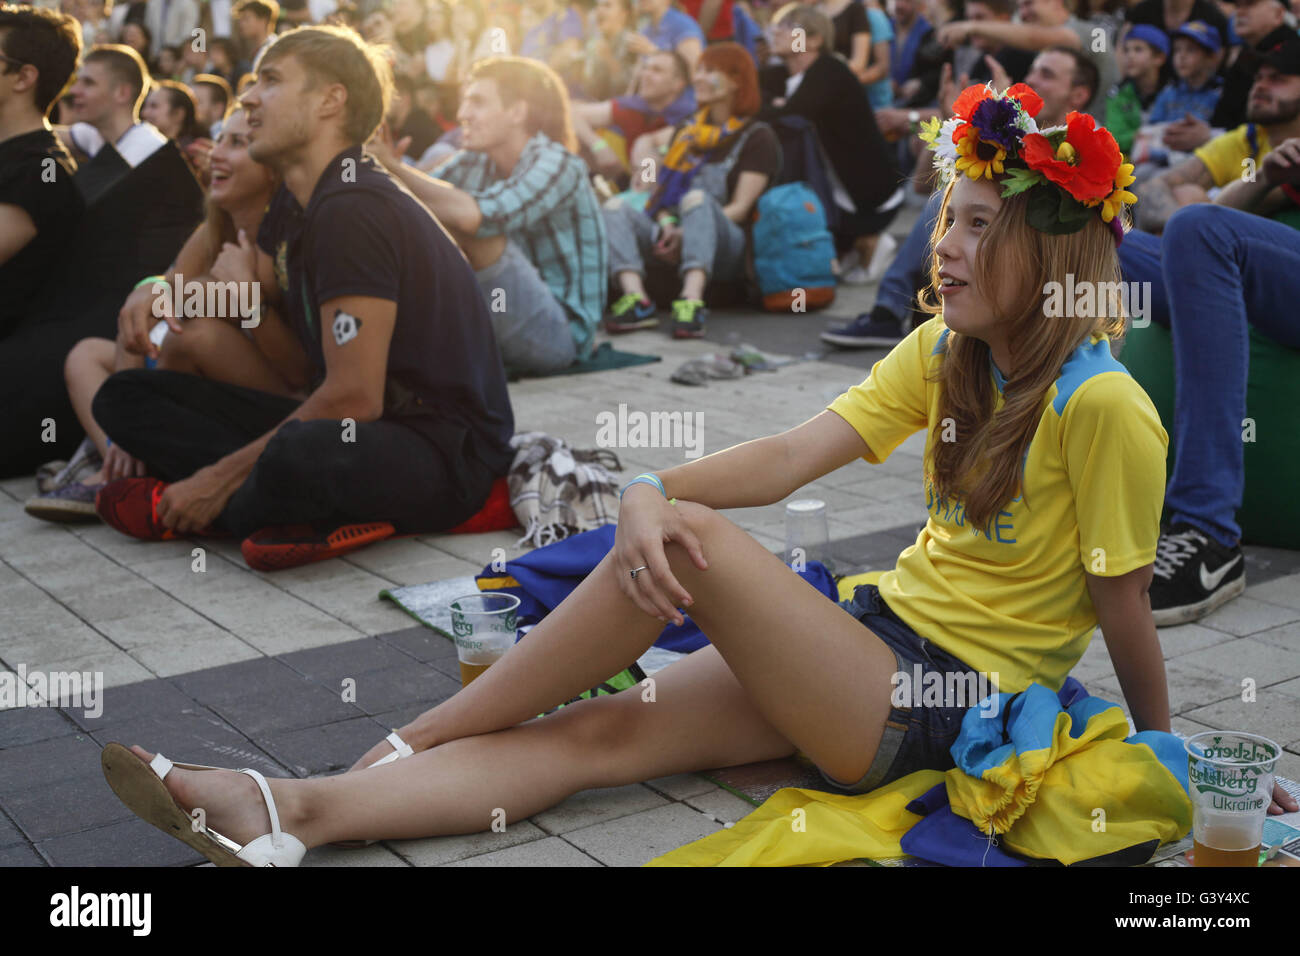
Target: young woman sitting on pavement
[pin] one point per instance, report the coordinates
(1044, 476)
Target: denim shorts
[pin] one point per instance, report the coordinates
(917, 737)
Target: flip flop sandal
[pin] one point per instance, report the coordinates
(140, 786)
(401, 749)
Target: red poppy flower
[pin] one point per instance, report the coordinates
(1030, 100)
(1083, 165)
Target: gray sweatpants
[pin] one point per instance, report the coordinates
(710, 241)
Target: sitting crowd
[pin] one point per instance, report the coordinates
(238, 248)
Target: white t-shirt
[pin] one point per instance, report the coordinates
(136, 145)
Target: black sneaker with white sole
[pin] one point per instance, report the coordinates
(878, 328)
(1194, 575)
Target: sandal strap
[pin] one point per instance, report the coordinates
(277, 838)
(401, 746)
(161, 766)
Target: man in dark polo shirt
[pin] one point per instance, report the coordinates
(407, 422)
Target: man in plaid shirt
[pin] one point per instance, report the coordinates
(517, 200)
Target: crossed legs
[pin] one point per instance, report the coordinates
(788, 669)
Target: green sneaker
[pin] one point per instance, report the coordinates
(630, 313)
(688, 318)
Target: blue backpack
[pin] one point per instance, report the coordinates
(794, 253)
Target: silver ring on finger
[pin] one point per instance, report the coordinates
(635, 571)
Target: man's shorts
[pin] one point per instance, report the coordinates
(917, 737)
(530, 324)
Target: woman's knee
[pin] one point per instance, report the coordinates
(88, 354)
(598, 728)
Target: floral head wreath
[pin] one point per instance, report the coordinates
(1070, 172)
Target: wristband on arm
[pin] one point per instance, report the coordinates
(647, 479)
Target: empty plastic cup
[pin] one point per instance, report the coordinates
(807, 537)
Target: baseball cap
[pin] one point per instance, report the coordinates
(1202, 33)
(1281, 51)
(1152, 36)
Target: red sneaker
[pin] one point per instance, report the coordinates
(131, 506)
(273, 549)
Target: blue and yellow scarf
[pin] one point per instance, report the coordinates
(686, 155)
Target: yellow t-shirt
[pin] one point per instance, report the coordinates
(1223, 155)
(1012, 599)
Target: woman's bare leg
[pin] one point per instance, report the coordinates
(217, 350)
(814, 677)
(86, 368)
(701, 718)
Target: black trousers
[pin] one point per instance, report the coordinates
(32, 391)
(307, 474)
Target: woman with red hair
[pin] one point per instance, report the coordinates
(712, 170)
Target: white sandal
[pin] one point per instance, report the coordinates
(140, 786)
(401, 749)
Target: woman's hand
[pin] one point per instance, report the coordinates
(668, 248)
(386, 149)
(1283, 802)
(139, 314)
(647, 522)
(118, 464)
(236, 262)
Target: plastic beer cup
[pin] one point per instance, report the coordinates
(483, 626)
(1230, 781)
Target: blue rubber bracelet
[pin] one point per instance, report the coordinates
(644, 480)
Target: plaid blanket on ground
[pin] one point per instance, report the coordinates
(556, 490)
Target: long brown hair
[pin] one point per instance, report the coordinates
(219, 225)
(983, 466)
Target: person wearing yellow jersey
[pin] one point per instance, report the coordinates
(1044, 478)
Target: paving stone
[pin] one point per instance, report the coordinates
(435, 851)
(422, 643)
(26, 725)
(1243, 615)
(590, 807)
(682, 785)
(379, 692)
(69, 806)
(9, 834)
(126, 843)
(1270, 715)
(377, 855)
(1185, 638)
(1284, 591)
(47, 762)
(331, 663)
(325, 749)
(635, 840)
(1246, 657)
(549, 852)
(722, 805)
(195, 735)
(260, 675)
(1189, 687)
(1287, 637)
(115, 665)
(151, 698)
(20, 854)
(296, 703)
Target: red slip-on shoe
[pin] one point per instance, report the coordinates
(131, 506)
(274, 549)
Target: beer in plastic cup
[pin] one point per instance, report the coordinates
(1230, 781)
(483, 626)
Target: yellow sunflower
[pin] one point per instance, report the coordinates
(977, 157)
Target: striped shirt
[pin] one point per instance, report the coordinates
(548, 209)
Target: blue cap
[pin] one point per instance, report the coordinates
(1202, 33)
(1152, 36)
